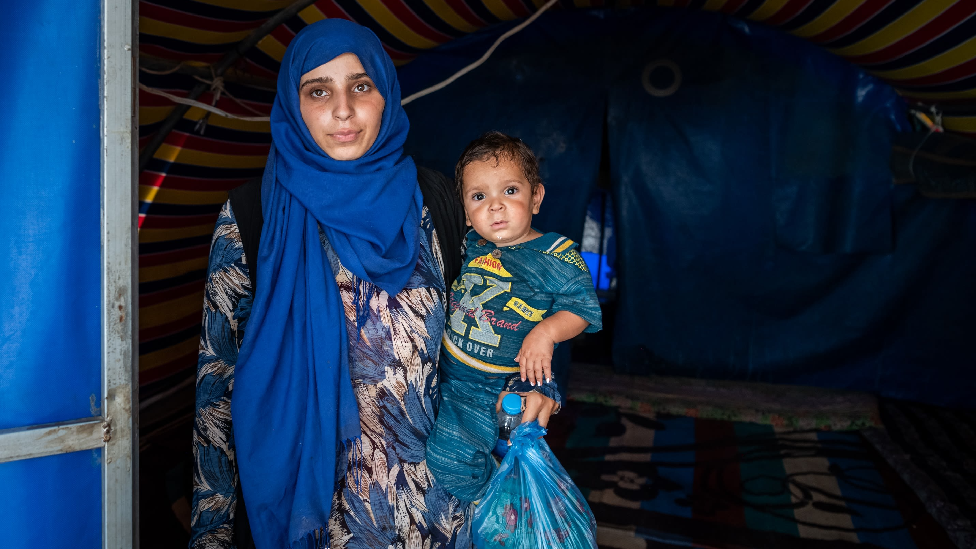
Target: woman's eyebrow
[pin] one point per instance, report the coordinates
(319, 80)
(329, 80)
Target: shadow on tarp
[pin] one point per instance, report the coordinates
(760, 236)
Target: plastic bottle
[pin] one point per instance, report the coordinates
(509, 417)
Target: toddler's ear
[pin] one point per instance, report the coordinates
(467, 220)
(537, 195)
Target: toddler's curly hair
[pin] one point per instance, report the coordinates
(497, 145)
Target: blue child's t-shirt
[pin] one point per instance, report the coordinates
(504, 292)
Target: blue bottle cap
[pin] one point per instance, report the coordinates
(512, 404)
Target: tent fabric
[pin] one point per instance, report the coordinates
(924, 48)
(767, 242)
(717, 276)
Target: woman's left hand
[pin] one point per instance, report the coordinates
(537, 406)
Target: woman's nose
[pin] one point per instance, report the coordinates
(343, 108)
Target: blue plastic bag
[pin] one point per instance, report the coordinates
(531, 502)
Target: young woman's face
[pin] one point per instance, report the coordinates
(341, 107)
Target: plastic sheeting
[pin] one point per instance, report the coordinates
(759, 234)
(50, 274)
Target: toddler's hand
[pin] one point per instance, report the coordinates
(535, 356)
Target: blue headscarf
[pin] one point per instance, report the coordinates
(293, 404)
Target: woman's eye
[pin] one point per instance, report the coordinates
(319, 93)
(361, 87)
(478, 196)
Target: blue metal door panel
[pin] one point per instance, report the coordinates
(53, 501)
(50, 272)
(49, 212)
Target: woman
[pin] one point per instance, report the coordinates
(334, 384)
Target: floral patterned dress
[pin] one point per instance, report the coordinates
(385, 495)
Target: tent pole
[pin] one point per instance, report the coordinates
(219, 68)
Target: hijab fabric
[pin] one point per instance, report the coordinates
(293, 404)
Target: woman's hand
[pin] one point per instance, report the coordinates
(537, 406)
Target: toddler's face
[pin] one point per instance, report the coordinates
(499, 202)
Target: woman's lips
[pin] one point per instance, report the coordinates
(345, 136)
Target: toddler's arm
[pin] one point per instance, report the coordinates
(535, 356)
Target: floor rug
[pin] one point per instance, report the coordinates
(934, 451)
(666, 481)
(783, 406)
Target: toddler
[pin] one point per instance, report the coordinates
(520, 293)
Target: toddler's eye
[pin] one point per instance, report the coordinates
(511, 190)
(478, 196)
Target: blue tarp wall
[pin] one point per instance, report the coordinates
(759, 234)
(50, 282)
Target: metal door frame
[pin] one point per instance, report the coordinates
(116, 429)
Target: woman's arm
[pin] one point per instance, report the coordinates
(226, 305)
(446, 212)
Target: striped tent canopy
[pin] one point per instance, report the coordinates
(926, 49)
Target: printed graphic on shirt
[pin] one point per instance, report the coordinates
(472, 306)
(560, 245)
(465, 352)
(572, 257)
(528, 312)
(490, 264)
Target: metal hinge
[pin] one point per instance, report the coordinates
(107, 429)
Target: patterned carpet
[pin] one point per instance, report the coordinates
(934, 451)
(670, 481)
